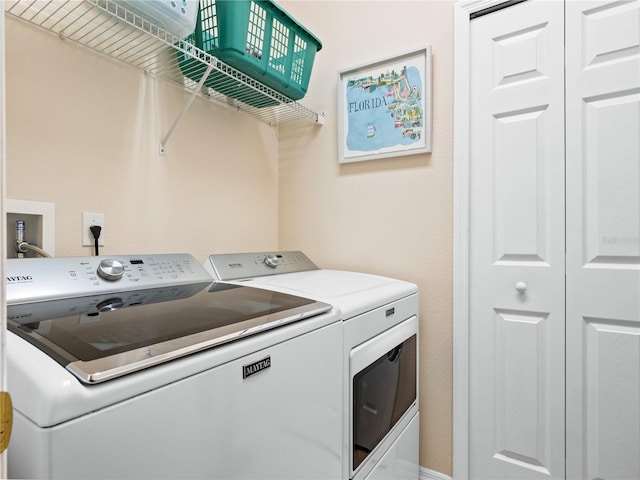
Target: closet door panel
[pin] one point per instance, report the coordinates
(516, 427)
(610, 180)
(603, 240)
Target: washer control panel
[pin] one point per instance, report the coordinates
(40, 279)
(234, 266)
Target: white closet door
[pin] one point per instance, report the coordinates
(603, 240)
(516, 326)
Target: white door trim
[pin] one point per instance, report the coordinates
(3, 244)
(462, 14)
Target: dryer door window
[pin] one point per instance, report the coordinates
(384, 389)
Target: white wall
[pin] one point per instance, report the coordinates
(83, 133)
(391, 217)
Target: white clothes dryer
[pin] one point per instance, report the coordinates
(380, 353)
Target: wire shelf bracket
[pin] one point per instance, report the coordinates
(165, 139)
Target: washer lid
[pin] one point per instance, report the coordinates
(106, 336)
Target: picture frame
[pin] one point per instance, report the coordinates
(384, 108)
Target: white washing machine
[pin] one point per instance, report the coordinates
(380, 352)
(141, 367)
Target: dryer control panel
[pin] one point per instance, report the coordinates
(40, 279)
(234, 266)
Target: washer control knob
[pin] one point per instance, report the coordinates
(111, 269)
(272, 260)
(110, 305)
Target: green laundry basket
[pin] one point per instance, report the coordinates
(259, 39)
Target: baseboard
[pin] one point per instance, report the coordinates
(427, 474)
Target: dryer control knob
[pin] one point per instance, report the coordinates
(111, 269)
(272, 260)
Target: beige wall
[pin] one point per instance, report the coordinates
(83, 133)
(391, 217)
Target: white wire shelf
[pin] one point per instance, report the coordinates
(108, 28)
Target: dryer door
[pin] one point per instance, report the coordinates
(383, 386)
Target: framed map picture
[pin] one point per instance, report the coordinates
(384, 108)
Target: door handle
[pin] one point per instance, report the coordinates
(521, 287)
(371, 409)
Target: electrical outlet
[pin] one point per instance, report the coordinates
(88, 220)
